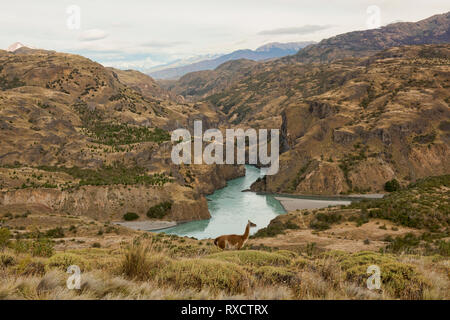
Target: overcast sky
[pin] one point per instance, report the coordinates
(143, 33)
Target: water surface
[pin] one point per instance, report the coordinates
(231, 208)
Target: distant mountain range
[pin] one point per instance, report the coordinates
(433, 30)
(268, 51)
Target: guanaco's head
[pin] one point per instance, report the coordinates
(251, 224)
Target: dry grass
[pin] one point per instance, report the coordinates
(144, 269)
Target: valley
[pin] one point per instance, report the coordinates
(85, 164)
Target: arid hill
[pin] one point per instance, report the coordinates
(195, 85)
(350, 125)
(433, 30)
(87, 140)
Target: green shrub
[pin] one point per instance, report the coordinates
(112, 175)
(160, 210)
(64, 260)
(42, 247)
(140, 263)
(199, 274)
(252, 257)
(21, 246)
(55, 233)
(422, 204)
(5, 235)
(275, 228)
(277, 275)
(7, 260)
(392, 185)
(323, 221)
(399, 279)
(96, 245)
(30, 267)
(130, 216)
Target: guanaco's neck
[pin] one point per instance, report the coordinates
(247, 231)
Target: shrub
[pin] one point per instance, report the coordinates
(287, 253)
(96, 245)
(277, 275)
(160, 210)
(400, 280)
(422, 204)
(275, 228)
(7, 260)
(300, 263)
(252, 257)
(130, 216)
(55, 233)
(404, 244)
(21, 246)
(5, 234)
(392, 185)
(138, 264)
(30, 267)
(42, 247)
(201, 273)
(323, 221)
(64, 260)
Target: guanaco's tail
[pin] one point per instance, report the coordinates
(215, 241)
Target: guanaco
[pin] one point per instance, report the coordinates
(234, 241)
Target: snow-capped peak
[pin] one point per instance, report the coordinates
(17, 45)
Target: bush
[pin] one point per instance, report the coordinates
(160, 210)
(275, 228)
(323, 221)
(30, 267)
(5, 234)
(55, 233)
(138, 264)
(64, 260)
(7, 260)
(392, 185)
(277, 275)
(130, 216)
(205, 273)
(421, 205)
(21, 246)
(252, 257)
(400, 280)
(42, 247)
(405, 244)
(96, 245)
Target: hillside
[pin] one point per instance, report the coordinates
(433, 30)
(351, 125)
(73, 132)
(304, 254)
(196, 85)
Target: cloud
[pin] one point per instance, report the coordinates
(92, 35)
(306, 29)
(163, 44)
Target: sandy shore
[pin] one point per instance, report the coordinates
(290, 204)
(147, 225)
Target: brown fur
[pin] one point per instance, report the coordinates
(234, 241)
